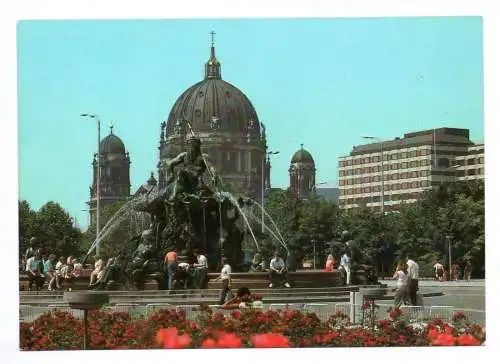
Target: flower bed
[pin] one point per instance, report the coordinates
(59, 330)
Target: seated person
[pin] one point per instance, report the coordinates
(257, 263)
(77, 268)
(182, 275)
(50, 272)
(200, 269)
(278, 272)
(98, 267)
(34, 271)
(330, 263)
(244, 298)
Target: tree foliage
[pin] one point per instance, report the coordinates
(450, 216)
(52, 226)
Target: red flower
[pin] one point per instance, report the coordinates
(269, 341)
(170, 339)
(467, 340)
(236, 314)
(457, 316)
(433, 333)
(209, 343)
(395, 313)
(444, 340)
(228, 340)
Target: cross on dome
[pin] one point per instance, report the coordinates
(212, 34)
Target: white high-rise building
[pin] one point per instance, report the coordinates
(398, 171)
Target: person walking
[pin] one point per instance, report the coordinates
(345, 265)
(171, 261)
(439, 269)
(401, 294)
(467, 270)
(413, 274)
(225, 277)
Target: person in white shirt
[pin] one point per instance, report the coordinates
(413, 271)
(277, 271)
(225, 277)
(401, 294)
(98, 267)
(345, 265)
(34, 271)
(439, 269)
(200, 269)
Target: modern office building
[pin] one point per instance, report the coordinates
(398, 171)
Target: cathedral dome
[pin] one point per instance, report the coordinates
(214, 105)
(112, 144)
(302, 156)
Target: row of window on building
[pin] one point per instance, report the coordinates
(442, 163)
(387, 198)
(387, 167)
(407, 175)
(387, 157)
(402, 155)
(389, 187)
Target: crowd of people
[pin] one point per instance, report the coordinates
(41, 268)
(443, 273)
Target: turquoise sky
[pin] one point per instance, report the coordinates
(321, 82)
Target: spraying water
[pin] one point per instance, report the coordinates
(257, 220)
(113, 222)
(271, 219)
(235, 203)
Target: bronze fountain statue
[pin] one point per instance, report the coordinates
(186, 214)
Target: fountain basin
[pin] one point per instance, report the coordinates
(87, 300)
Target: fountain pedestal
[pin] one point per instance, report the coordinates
(86, 301)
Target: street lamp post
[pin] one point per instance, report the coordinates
(98, 182)
(314, 254)
(381, 169)
(449, 237)
(262, 184)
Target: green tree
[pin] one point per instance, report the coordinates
(454, 213)
(315, 232)
(55, 231)
(374, 234)
(27, 225)
(284, 208)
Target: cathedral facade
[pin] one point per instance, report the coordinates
(232, 137)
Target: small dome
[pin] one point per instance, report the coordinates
(302, 156)
(112, 144)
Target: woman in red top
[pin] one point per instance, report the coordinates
(330, 263)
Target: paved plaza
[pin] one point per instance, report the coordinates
(462, 294)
